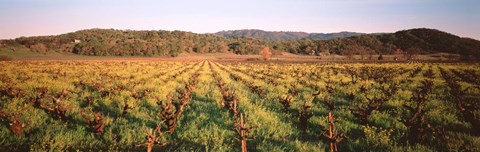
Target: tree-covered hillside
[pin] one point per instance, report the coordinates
(105, 42)
(281, 36)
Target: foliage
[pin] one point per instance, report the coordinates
(78, 105)
(109, 42)
(266, 53)
(282, 36)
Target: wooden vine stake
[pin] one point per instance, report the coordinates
(333, 136)
(97, 123)
(286, 103)
(126, 108)
(304, 114)
(168, 113)
(154, 136)
(243, 130)
(15, 124)
(416, 122)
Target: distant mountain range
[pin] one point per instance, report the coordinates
(285, 35)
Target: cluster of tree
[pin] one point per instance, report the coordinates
(281, 36)
(409, 42)
(109, 42)
(104, 42)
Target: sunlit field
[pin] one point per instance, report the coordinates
(226, 106)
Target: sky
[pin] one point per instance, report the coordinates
(52, 17)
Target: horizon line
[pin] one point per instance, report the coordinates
(127, 29)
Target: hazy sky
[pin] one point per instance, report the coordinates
(50, 17)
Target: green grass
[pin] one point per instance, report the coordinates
(205, 124)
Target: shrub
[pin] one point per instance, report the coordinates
(5, 58)
(380, 57)
(266, 53)
(39, 47)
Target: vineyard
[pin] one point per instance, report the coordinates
(226, 106)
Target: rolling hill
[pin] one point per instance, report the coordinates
(111, 42)
(272, 35)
